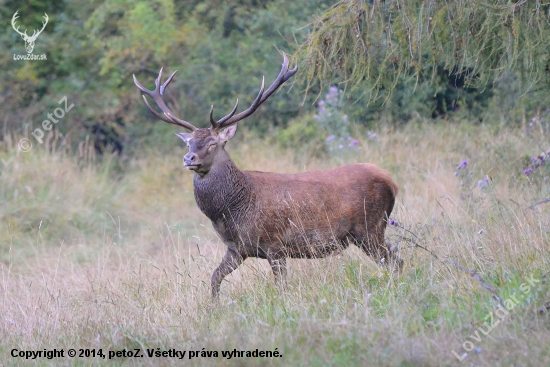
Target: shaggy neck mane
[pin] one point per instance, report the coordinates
(224, 190)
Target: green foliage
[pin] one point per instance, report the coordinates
(375, 43)
(408, 61)
(302, 134)
(128, 30)
(221, 51)
(328, 130)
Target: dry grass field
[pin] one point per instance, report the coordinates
(115, 255)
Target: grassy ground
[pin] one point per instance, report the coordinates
(115, 255)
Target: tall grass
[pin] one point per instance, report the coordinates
(115, 255)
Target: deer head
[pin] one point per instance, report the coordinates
(206, 146)
(29, 40)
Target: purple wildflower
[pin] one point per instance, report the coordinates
(392, 222)
(321, 103)
(462, 165)
(371, 135)
(484, 183)
(334, 89)
(537, 162)
(355, 142)
(330, 138)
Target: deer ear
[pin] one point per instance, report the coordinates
(184, 136)
(228, 132)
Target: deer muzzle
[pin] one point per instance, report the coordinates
(191, 161)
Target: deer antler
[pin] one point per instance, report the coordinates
(15, 16)
(231, 118)
(157, 96)
(225, 121)
(35, 34)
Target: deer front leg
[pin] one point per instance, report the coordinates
(231, 261)
(278, 265)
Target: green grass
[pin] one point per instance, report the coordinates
(116, 255)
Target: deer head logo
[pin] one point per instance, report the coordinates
(29, 40)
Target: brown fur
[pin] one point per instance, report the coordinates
(277, 216)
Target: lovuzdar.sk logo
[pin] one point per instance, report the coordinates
(29, 40)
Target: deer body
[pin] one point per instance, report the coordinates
(278, 216)
(307, 215)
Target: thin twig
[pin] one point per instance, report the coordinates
(473, 272)
(539, 203)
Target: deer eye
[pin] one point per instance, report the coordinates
(212, 145)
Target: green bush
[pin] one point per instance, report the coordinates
(303, 134)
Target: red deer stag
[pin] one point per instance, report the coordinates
(277, 216)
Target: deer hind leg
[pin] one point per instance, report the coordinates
(390, 258)
(231, 261)
(278, 265)
(371, 240)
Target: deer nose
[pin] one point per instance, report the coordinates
(189, 159)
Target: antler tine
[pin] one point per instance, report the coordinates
(246, 112)
(289, 74)
(157, 95)
(279, 79)
(223, 119)
(13, 20)
(44, 23)
(156, 114)
(165, 85)
(253, 106)
(283, 76)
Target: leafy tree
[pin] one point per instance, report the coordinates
(374, 47)
(220, 50)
